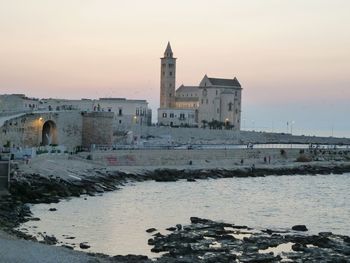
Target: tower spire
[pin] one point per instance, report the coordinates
(168, 53)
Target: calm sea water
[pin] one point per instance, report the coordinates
(115, 222)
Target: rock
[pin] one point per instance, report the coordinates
(50, 240)
(191, 180)
(171, 228)
(298, 247)
(197, 220)
(299, 228)
(131, 259)
(151, 230)
(84, 245)
(52, 209)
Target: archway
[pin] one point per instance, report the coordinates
(49, 133)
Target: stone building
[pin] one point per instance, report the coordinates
(215, 99)
(13, 103)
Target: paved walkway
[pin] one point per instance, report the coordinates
(21, 251)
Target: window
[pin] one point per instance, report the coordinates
(182, 116)
(207, 101)
(204, 92)
(170, 85)
(217, 110)
(164, 115)
(230, 106)
(236, 111)
(216, 92)
(120, 111)
(236, 93)
(163, 73)
(170, 73)
(120, 121)
(137, 112)
(171, 65)
(202, 101)
(171, 115)
(169, 94)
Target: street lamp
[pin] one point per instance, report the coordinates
(291, 127)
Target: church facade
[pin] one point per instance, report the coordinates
(215, 100)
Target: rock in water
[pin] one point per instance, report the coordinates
(151, 230)
(84, 245)
(299, 228)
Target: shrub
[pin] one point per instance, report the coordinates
(304, 158)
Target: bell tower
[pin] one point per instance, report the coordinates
(167, 79)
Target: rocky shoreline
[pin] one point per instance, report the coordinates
(35, 188)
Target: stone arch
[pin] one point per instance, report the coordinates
(49, 133)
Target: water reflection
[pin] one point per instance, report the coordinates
(115, 223)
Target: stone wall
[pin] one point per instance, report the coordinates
(207, 136)
(216, 157)
(98, 128)
(26, 130)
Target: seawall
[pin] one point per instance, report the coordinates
(216, 157)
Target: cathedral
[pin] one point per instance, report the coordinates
(215, 100)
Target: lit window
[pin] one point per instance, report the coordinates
(164, 115)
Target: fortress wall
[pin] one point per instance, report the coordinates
(26, 130)
(97, 128)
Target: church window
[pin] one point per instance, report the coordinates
(171, 115)
(137, 112)
(170, 73)
(164, 115)
(120, 111)
(230, 106)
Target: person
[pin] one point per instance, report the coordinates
(269, 159)
(265, 159)
(253, 168)
(242, 161)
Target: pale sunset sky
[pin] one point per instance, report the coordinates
(292, 57)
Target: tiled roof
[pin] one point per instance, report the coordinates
(183, 88)
(225, 82)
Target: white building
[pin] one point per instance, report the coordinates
(126, 112)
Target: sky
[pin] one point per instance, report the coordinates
(292, 57)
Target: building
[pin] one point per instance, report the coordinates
(15, 103)
(214, 100)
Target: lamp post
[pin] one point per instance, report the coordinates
(291, 127)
